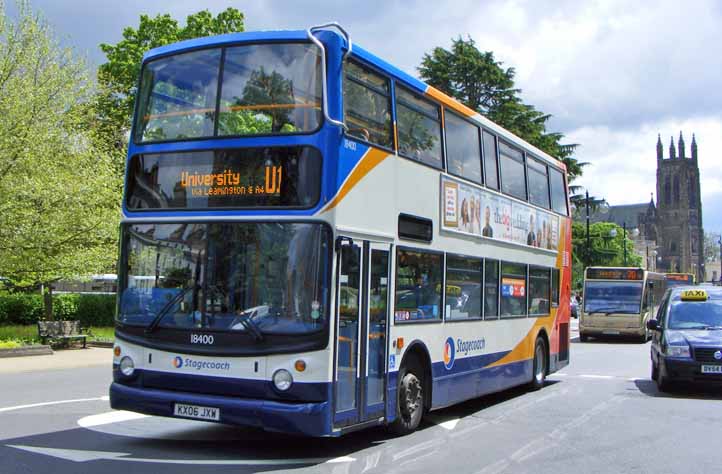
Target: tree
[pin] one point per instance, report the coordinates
(480, 82)
(711, 246)
(604, 250)
(118, 77)
(59, 202)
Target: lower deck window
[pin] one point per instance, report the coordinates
(463, 287)
(418, 285)
(538, 291)
(513, 290)
(491, 289)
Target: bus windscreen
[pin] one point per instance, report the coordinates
(612, 297)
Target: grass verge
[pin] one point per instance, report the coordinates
(17, 336)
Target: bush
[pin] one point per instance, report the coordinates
(90, 310)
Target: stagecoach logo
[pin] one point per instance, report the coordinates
(178, 362)
(449, 353)
(718, 355)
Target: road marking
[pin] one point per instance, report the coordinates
(77, 455)
(109, 417)
(58, 402)
(593, 376)
(449, 424)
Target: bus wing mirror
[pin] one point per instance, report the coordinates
(653, 324)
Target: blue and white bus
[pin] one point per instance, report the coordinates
(315, 242)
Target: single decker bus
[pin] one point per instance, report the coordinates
(618, 301)
(315, 242)
(679, 279)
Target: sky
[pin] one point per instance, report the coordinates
(613, 74)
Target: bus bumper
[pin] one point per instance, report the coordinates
(606, 331)
(311, 419)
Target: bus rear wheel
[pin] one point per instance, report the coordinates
(410, 400)
(539, 373)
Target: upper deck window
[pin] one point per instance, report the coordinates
(178, 97)
(266, 89)
(511, 163)
(367, 105)
(419, 128)
(491, 175)
(463, 154)
(270, 89)
(559, 193)
(538, 183)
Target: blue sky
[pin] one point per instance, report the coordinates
(613, 74)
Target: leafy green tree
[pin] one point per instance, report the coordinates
(118, 77)
(480, 82)
(59, 201)
(604, 250)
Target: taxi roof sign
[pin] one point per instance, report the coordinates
(694, 295)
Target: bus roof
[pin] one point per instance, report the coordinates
(358, 52)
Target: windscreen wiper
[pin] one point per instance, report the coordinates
(251, 327)
(168, 306)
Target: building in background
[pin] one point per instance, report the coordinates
(667, 234)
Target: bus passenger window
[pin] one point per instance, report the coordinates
(419, 128)
(559, 194)
(491, 289)
(418, 286)
(539, 291)
(463, 287)
(511, 164)
(367, 105)
(513, 290)
(538, 183)
(463, 154)
(491, 175)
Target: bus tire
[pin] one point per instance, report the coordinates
(410, 400)
(539, 371)
(655, 372)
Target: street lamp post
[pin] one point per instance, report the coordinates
(589, 247)
(624, 226)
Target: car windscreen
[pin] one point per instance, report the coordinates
(613, 297)
(695, 314)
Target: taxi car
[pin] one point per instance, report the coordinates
(687, 337)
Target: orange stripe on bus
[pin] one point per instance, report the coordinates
(368, 162)
(449, 102)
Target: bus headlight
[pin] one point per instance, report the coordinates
(282, 379)
(127, 366)
(678, 351)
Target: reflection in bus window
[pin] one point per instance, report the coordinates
(612, 297)
(463, 155)
(418, 285)
(463, 287)
(367, 105)
(538, 291)
(513, 289)
(419, 128)
(491, 289)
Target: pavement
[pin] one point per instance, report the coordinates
(59, 360)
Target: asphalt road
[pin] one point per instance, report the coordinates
(600, 414)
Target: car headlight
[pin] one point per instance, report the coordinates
(127, 366)
(282, 379)
(678, 351)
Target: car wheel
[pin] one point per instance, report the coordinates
(410, 401)
(539, 372)
(663, 383)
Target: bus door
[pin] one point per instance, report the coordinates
(361, 331)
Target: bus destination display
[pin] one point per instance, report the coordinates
(244, 178)
(614, 274)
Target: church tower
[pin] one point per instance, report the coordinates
(680, 237)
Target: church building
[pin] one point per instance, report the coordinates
(667, 234)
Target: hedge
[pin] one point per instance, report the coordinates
(90, 310)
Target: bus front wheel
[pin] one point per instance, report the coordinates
(409, 401)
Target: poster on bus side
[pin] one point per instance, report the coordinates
(475, 211)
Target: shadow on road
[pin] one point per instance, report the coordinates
(694, 392)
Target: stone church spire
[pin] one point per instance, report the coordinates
(680, 144)
(671, 148)
(694, 148)
(660, 148)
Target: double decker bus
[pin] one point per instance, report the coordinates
(315, 242)
(679, 279)
(618, 301)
